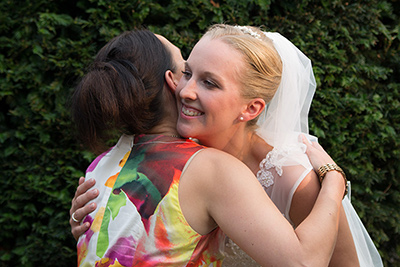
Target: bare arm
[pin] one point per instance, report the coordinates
(78, 206)
(228, 195)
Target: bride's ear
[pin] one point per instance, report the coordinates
(171, 80)
(253, 109)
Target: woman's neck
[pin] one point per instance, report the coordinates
(165, 128)
(248, 147)
(258, 148)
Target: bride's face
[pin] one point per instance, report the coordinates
(209, 99)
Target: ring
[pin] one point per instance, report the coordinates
(73, 218)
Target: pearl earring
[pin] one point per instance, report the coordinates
(241, 118)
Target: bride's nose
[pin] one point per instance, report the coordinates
(188, 90)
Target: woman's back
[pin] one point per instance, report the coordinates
(139, 219)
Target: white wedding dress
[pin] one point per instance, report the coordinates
(285, 167)
(280, 183)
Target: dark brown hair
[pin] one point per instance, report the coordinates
(122, 90)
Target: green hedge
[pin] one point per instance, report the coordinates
(45, 46)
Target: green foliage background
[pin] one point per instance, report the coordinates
(46, 44)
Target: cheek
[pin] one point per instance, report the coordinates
(217, 104)
(178, 76)
(231, 102)
(222, 111)
(179, 87)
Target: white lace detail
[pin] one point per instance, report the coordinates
(275, 159)
(264, 176)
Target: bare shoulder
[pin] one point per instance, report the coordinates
(219, 166)
(222, 178)
(209, 182)
(215, 155)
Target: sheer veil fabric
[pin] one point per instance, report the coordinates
(280, 124)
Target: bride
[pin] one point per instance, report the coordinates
(221, 110)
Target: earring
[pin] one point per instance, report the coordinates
(241, 118)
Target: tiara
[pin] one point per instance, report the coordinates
(248, 30)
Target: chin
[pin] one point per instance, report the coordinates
(184, 130)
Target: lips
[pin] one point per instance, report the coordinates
(191, 112)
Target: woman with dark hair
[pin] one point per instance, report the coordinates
(117, 84)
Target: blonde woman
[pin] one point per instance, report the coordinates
(248, 93)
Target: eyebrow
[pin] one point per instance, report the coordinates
(204, 72)
(218, 79)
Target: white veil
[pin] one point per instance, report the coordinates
(286, 116)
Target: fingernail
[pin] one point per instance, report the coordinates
(306, 139)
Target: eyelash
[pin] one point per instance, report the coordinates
(207, 83)
(186, 73)
(210, 84)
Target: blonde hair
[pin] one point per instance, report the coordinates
(263, 71)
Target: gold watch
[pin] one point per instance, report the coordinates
(321, 172)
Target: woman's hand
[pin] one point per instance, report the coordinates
(318, 157)
(316, 153)
(79, 209)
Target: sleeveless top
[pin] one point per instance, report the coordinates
(138, 220)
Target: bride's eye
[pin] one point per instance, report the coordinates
(187, 74)
(210, 84)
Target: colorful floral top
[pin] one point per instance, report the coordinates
(138, 220)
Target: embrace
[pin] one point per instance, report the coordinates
(214, 159)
